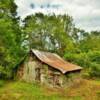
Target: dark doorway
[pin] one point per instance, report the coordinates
(56, 80)
(37, 74)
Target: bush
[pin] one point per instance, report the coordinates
(89, 60)
(5, 73)
(94, 70)
(94, 56)
(79, 59)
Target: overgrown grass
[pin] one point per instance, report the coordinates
(25, 91)
(85, 90)
(2, 82)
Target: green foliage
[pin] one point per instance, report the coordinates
(95, 70)
(94, 56)
(54, 33)
(8, 6)
(10, 38)
(89, 60)
(49, 32)
(80, 59)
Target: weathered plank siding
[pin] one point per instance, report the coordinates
(33, 70)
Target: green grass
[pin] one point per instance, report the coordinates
(85, 90)
(2, 82)
(26, 91)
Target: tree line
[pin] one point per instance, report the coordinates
(54, 33)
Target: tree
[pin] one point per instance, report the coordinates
(10, 37)
(49, 32)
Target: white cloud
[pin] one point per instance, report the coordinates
(86, 13)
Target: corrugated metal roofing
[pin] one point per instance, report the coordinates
(55, 61)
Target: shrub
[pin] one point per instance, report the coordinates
(94, 56)
(89, 60)
(95, 70)
(79, 59)
(5, 73)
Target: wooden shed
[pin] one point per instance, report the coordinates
(45, 67)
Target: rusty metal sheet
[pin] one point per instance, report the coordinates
(55, 61)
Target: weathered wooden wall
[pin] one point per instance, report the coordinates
(35, 70)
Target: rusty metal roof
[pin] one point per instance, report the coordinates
(55, 61)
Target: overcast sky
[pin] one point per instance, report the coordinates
(86, 13)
